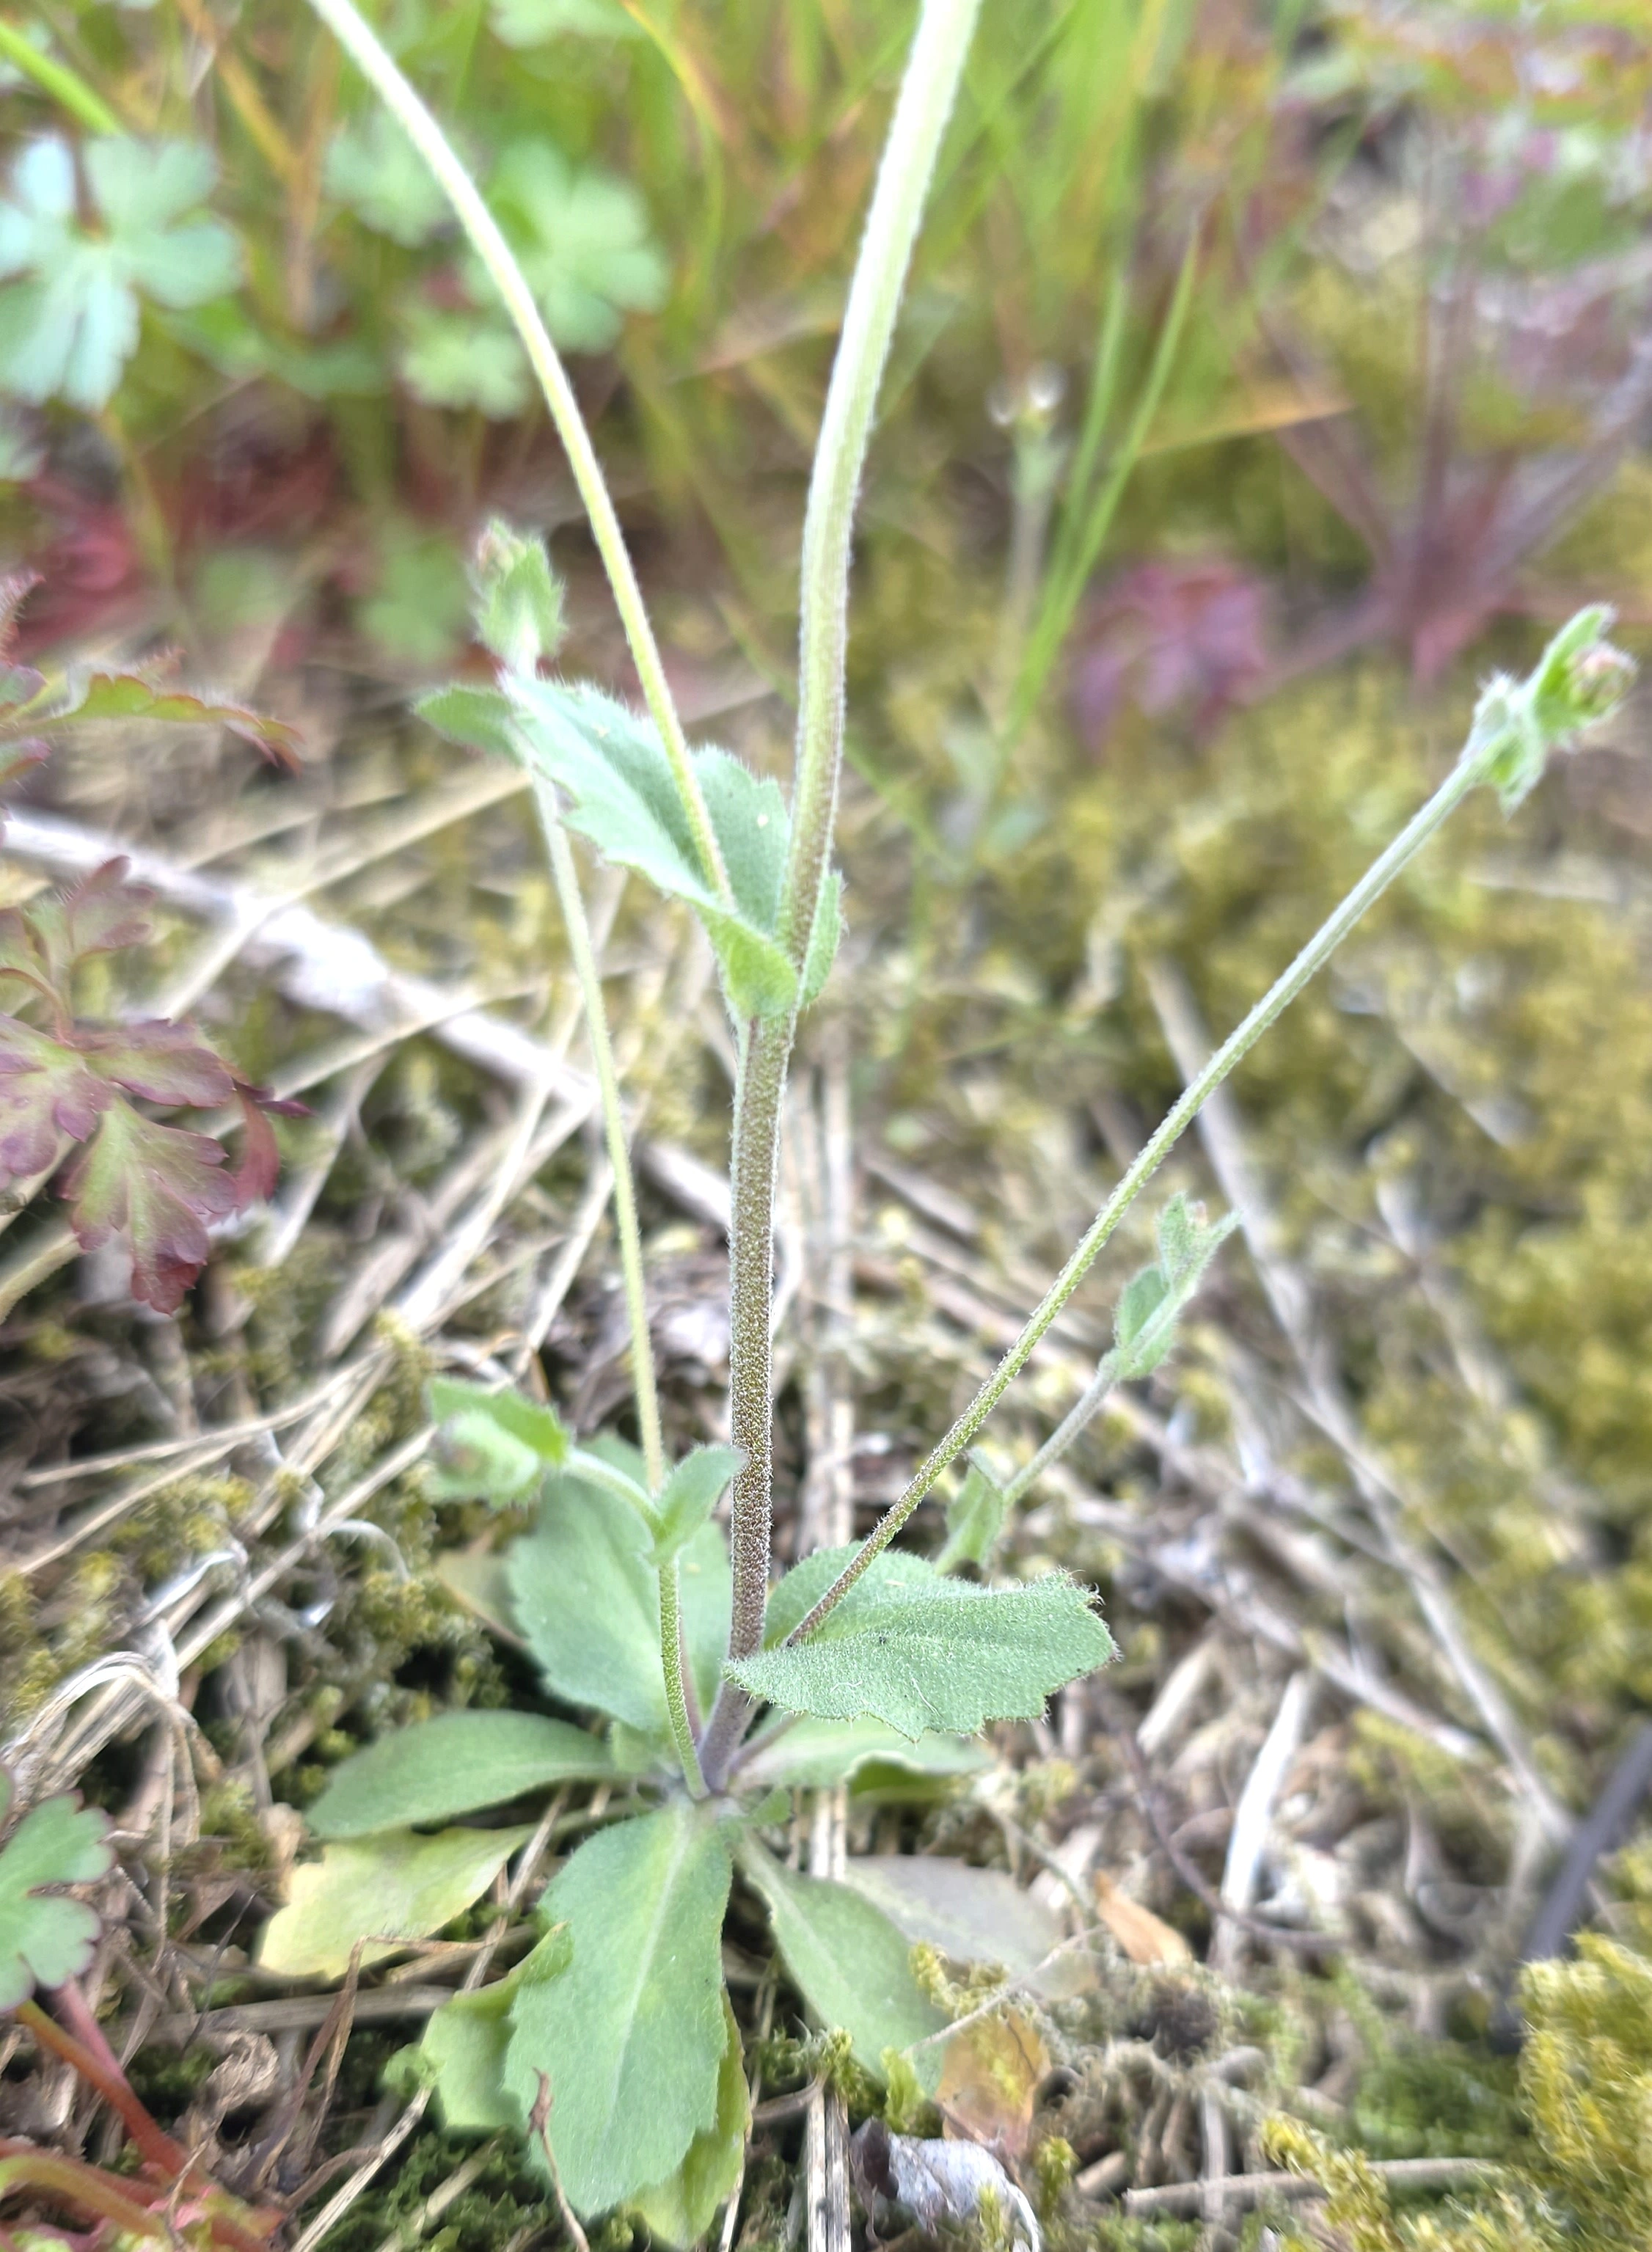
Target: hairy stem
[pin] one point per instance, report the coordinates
(482, 230)
(567, 878)
(1470, 770)
(927, 91)
(1077, 1419)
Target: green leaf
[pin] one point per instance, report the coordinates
(970, 1915)
(682, 2208)
(974, 1518)
(690, 1495)
(582, 240)
(815, 1755)
(480, 1585)
(633, 2035)
(464, 360)
(1152, 1302)
(418, 610)
(69, 319)
(374, 169)
(453, 1765)
(824, 939)
(847, 1960)
(950, 1656)
(44, 1940)
(490, 1446)
(477, 719)
(463, 2049)
(517, 598)
(585, 1597)
(1579, 680)
(389, 1890)
(612, 766)
(889, 1573)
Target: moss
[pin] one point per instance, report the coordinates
(506, 2196)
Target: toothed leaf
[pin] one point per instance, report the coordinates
(45, 1939)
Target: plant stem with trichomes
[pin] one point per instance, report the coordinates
(481, 231)
(927, 91)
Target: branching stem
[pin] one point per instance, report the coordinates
(482, 230)
(1470, 769)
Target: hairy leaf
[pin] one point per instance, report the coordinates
(160, 1060)
(453, 1765)
(816, 1754)
(159, 1187)
(44, 1939)
(100, 915)
(387, 1890)
(491, 1445)
(790, 1603)
(1152, 1302)
(950, 1656)
(477, 719)
(848, 1961)
(690, 1495)
(586, 1599)
(517, 598)
(974, 1518)
(682, 2208)
(632, 2036)
(612, 768)
(465, 2042)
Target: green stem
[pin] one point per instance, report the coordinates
(1470, 769)
(565, 876)
(927, 90)
(482, 230)
(1077, 1419)
(64, 86)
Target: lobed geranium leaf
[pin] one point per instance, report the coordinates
(99, 914)
(374, 169)
(462, 360)
(387, 1890)
(682, 2208)
(847, 1960)
(160, 1187)
(816, 1754)
(690, 1495)
(158, 1060)
(632, 2036)
(452, 1765)
(47, 1091)
(582, 240)
(138, 696)
(45, 1939)
(69, 315)
(585, 1598)
(949, 1656)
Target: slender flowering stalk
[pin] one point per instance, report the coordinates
(481, 231)
(1579, 680)
(927, 91)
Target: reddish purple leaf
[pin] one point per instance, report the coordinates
(260, 1169)
(15, 590)
(160, 1187)
(158, 1060)
(135, 695)
(46, 1090)
(100, 915)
